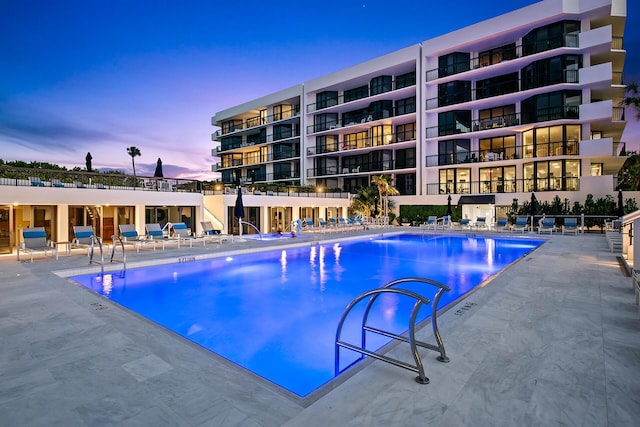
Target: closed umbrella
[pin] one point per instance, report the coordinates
(239, 207)
(532, 208)
(88, 160)
(449, 210)
(158, 173)
(620, 204)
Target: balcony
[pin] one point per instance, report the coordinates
(255, 122)
(395, 86)
(295, 133)
(359, 168)
(565, 183)
(366, 119)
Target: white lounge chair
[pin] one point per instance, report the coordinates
(431, 222)
(570, 226)
(34, 240)
(547, 225)
(521, 224)
(183, 234)
(155, 233)
(84, 237)
(502, 224)
(481, 222)
(209, 232)
(130, 236)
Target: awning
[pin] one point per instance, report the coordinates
(489, 199)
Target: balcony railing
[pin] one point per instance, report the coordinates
(250, 142)
(503, 88)
(565, 183)
(256, 160)
(359, 120)
(339, 100)
(358, 168)
(254, 122)
(506, 54)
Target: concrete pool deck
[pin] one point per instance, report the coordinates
(553, 340)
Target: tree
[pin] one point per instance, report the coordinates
(385, 189)
(134, 152)
(632, 97)
(363, 203)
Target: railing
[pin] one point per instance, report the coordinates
(33, 177)
(256, 160)
(339, 100)
(356, 168)
(358, 120)
(502, 88)
(420, 300)
(496, 56)
(246, 142)
(496, 186)
(254, 122)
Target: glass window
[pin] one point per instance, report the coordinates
(455, 181)
(454, 151)
(406, 80)
(326, 99)
(356, 93)
(453, 63)
(453, 122)
(380, 84)
(454, 92)
(406, 132)
(406, 106)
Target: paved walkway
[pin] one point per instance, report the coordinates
(553, 340)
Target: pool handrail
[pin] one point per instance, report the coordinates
(413, 343)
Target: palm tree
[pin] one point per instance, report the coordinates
(632, 97)
(385, 189)
(363, 203)
(134, 152)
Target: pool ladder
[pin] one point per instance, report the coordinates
(420, 300)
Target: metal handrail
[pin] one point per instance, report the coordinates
(413, 343)
(95, 239)
(113, 250)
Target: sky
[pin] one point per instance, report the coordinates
(99, 76)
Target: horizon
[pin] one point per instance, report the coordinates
(89, 78)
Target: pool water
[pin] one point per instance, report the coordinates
(275, 313)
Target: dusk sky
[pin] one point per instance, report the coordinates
(100, 76)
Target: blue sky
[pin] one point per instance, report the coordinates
(100, 76)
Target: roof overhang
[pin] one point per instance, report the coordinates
(489, 199)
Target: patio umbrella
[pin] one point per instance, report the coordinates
(158, 173)
(88, 159)
(620, 204)
(449, 210)
(532, 208)
(239, 207)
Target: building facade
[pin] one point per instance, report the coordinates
(529, 101)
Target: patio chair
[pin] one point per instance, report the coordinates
(431, 222)
(34, 240)
(521, 224)
(502, 224)
(155, 233)
(547, 225)
(481, 222)
(209, 232)
(36, 182)
(464, 224)
(570, 226)
(131, 237)
(183, 234)
(83, 237)
(444, 223)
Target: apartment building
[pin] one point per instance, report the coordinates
(529, 101)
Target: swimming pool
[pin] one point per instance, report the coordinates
(275, 313)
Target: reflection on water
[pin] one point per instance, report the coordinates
(275, 313)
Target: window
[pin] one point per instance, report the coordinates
(552, 36)
(453, 122)
(406, 158)
(380, 84)
(325, 121)
(406, 106)
(559, 69)
(498, 148)
(356, 93)
(231, 126)
(454, 151)
(457, 181)
(381, 135)
(454, 92)
(406, 183)
(257, 138)
(326, 99)
(497, 117)
(283, 111)
(230, 142)
(356, 140)
(497, 55)
(552, 141)
(281, 132)
(453, 63)
(326, 144)
(406, 80)
(551, 175)
(498, 179)
(355, 116)
(498, 85)
(406, 132)
(551, 106)
(381, 109)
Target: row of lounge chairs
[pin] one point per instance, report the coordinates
(545, 225)
(34, 239)
(334, 224)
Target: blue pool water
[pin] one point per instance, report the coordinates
(275, 313)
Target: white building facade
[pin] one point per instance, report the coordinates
(529, 101)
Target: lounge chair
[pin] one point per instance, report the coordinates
(444, 223)
(182, 234)
(570, 226)
(431, 222)
(481, 222)
(84, 237)
(155, 233)
(131, 237)
(547, 225)
(322, 223)
(502, 224)
(521, 224)
(308, 224)
(34, 240)
(36, 182)
(464, 224)
(209, 232)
